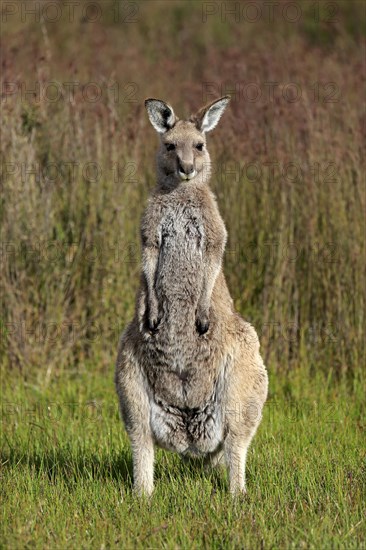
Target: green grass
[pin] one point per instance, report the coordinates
(66, 472)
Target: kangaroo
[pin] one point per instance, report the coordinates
(189, 375)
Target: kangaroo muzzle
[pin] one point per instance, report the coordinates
(186, 170)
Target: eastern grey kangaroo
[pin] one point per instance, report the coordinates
(189, 375)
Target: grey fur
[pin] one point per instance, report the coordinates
(189, 375)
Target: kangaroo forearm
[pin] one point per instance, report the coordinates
(214, 252)
(212, 270)
(150, 261)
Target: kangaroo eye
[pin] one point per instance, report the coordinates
(170, 146)
(199, 146)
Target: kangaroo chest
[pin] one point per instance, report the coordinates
(181, 230)
(181, 236)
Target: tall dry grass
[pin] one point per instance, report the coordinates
(289, 176)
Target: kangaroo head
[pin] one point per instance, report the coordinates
(182, 154)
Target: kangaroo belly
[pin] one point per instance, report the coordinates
(177, 380)
(189, 430)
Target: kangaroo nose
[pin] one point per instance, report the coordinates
(185, 168)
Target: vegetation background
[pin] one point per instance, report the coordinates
(77, 164)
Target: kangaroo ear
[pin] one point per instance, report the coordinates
(161, 115)
(207, 118)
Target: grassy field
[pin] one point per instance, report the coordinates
(66, 478)
(77, 164)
